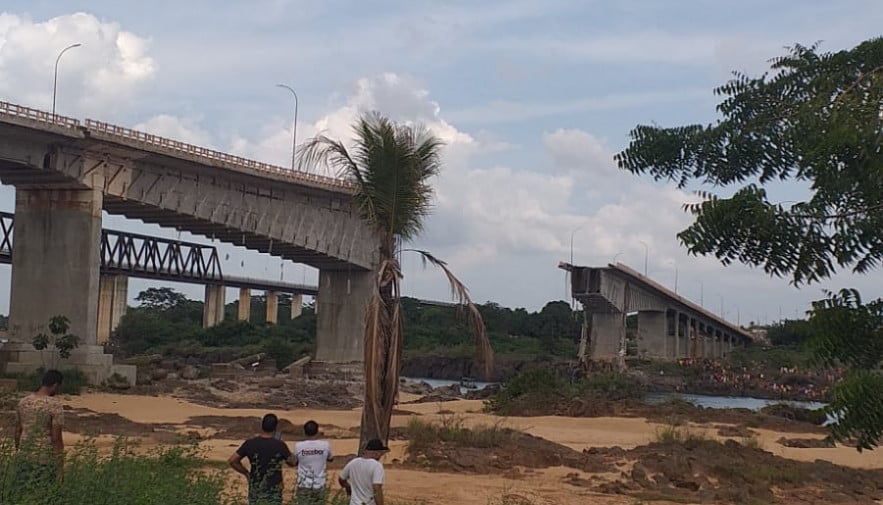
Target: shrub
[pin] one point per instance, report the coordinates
(452, 430)
(541, 388)
(164, 475)
(74, 381)
(678, 435)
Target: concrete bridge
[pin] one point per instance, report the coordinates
(669, 326)
(66, 172)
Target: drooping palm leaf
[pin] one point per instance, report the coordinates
(460, 294)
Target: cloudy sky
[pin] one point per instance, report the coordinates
(533, 99)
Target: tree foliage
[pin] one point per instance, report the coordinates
(815, 119)
(391, 165)
(790, 333)
(58, 337)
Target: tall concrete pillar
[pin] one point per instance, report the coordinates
(673, 336)
(55, 262)
(607, 330)
(272, 307)
(297, 306)
(244, 304)
(717, 344)
(651, 334)
(340, 315)
(113, 293)
(213, 311)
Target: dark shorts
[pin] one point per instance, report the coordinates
(310, 496)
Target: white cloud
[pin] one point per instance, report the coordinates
(96, 79)
(185, 130)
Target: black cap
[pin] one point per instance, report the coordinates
(375, 445)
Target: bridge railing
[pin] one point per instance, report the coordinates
(19, 111)
(176, 147)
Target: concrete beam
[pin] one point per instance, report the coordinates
(55, 265)
(213, 311)
(113, 293)
(244, 304)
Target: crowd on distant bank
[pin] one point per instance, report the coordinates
(38, 437)
(787, 383)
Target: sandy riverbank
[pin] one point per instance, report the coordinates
(547, 485)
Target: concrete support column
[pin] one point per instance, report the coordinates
(113, 293)
(244, 304)
(651, 334)
(55, 262)
(716, 352)
(213, 311)
(607, 329)
(340, 315)
(674, 337)
(297, 306)
(272, 307)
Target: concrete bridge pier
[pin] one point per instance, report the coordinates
(113, 294)
(213, 310)
(55, 272)
(340, 319)
(55, 262)
(297, 305)
(651, 334)
(272, 307)
(606, 332)
(244, 304)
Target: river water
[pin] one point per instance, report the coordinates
(707, 401)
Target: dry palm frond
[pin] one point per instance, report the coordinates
(460, 294)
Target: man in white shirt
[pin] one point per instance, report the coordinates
(363, 477)
(311, 456)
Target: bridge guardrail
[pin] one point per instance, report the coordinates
(178, 147)
(19, 111)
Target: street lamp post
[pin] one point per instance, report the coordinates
(293, 126)
(616, 256)
(55, 78)
(646, 252)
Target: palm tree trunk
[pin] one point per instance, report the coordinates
(383, 343)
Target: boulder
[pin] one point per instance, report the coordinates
(117, 381)
(451, 391)
(190, 372)
(417, 388)
(159, 374)
(143, 378)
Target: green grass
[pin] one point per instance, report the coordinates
(678, 435)
(451, 429)
(74, 381)
(164, 475)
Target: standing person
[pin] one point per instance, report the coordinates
(39, 421)
(311, 456)
(265, 454)
(362, 478)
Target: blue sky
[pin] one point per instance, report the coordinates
(533, 99)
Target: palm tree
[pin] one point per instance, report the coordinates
(390, 165)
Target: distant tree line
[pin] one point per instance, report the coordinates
(167, 322)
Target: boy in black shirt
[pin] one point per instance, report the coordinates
(265, 455)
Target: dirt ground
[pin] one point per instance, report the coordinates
(548, 460)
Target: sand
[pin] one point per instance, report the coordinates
(403, 484)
